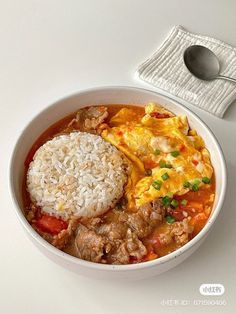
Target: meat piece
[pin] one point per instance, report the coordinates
(138, 225)
(116, 237)
(90, 246)
(46, 236)
(134, 246)
(145, 211)
(32, 213)
(178, 232)
(64, 237)
(94, 117)
(153, 211)
(91, 223)
(130, 247)
(181, 230)
(88, 119)
(113, 231)
(120, 255)
(148, 216)
(165, 238)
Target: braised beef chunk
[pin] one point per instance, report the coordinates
(134, 246)
(90, 246)
(113, 231)
(147, 217)
(138, 225)
(120, 255)
(65, 236)
(115, 248)
(179, 231)
(88, 119)
(130, 247)
(117, 237)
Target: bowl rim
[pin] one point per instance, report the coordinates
(111, 267)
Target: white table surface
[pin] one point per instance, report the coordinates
(52, 48)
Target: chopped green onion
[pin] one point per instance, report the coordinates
(206, 180)
(187, 185)
(175, 153)
(170, 219)
(166, 200)
(163, 164)
(174, 203)
(157, 152)
(170, 194)
(184, 202)
(165, 176)
(157, 184)
(195, 187)
(196, 181)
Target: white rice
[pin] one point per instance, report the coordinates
(76, 174)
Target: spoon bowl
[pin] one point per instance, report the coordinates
(203, 63)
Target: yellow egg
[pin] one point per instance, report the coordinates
(149, 142)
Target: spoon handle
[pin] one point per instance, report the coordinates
(222, 77)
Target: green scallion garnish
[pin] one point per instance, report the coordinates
(157, 152)
(165, 176)
(206, 180)
(195, 187)
(163, 164)
(157, 184)
(170, 219)
(187, 185)
(184, 202)
(175, 153)
(174, 203)
(196, 181)
(166, 200)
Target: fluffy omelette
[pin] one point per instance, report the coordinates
(166, 156)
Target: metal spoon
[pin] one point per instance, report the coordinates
(203, 64)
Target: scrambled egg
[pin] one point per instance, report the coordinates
(164, 153)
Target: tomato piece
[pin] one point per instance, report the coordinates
(50, 224)
(133, 260)
(177, 214)
(192, 207)
(150, 256)
(153, 243)
(182, 148)
(119, 133)
(198, 218)
(159, 115)
(149, 164)
(198, 222)
(195, 162)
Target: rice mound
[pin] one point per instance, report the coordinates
(76, 174)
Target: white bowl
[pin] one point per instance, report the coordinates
(112, 95)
